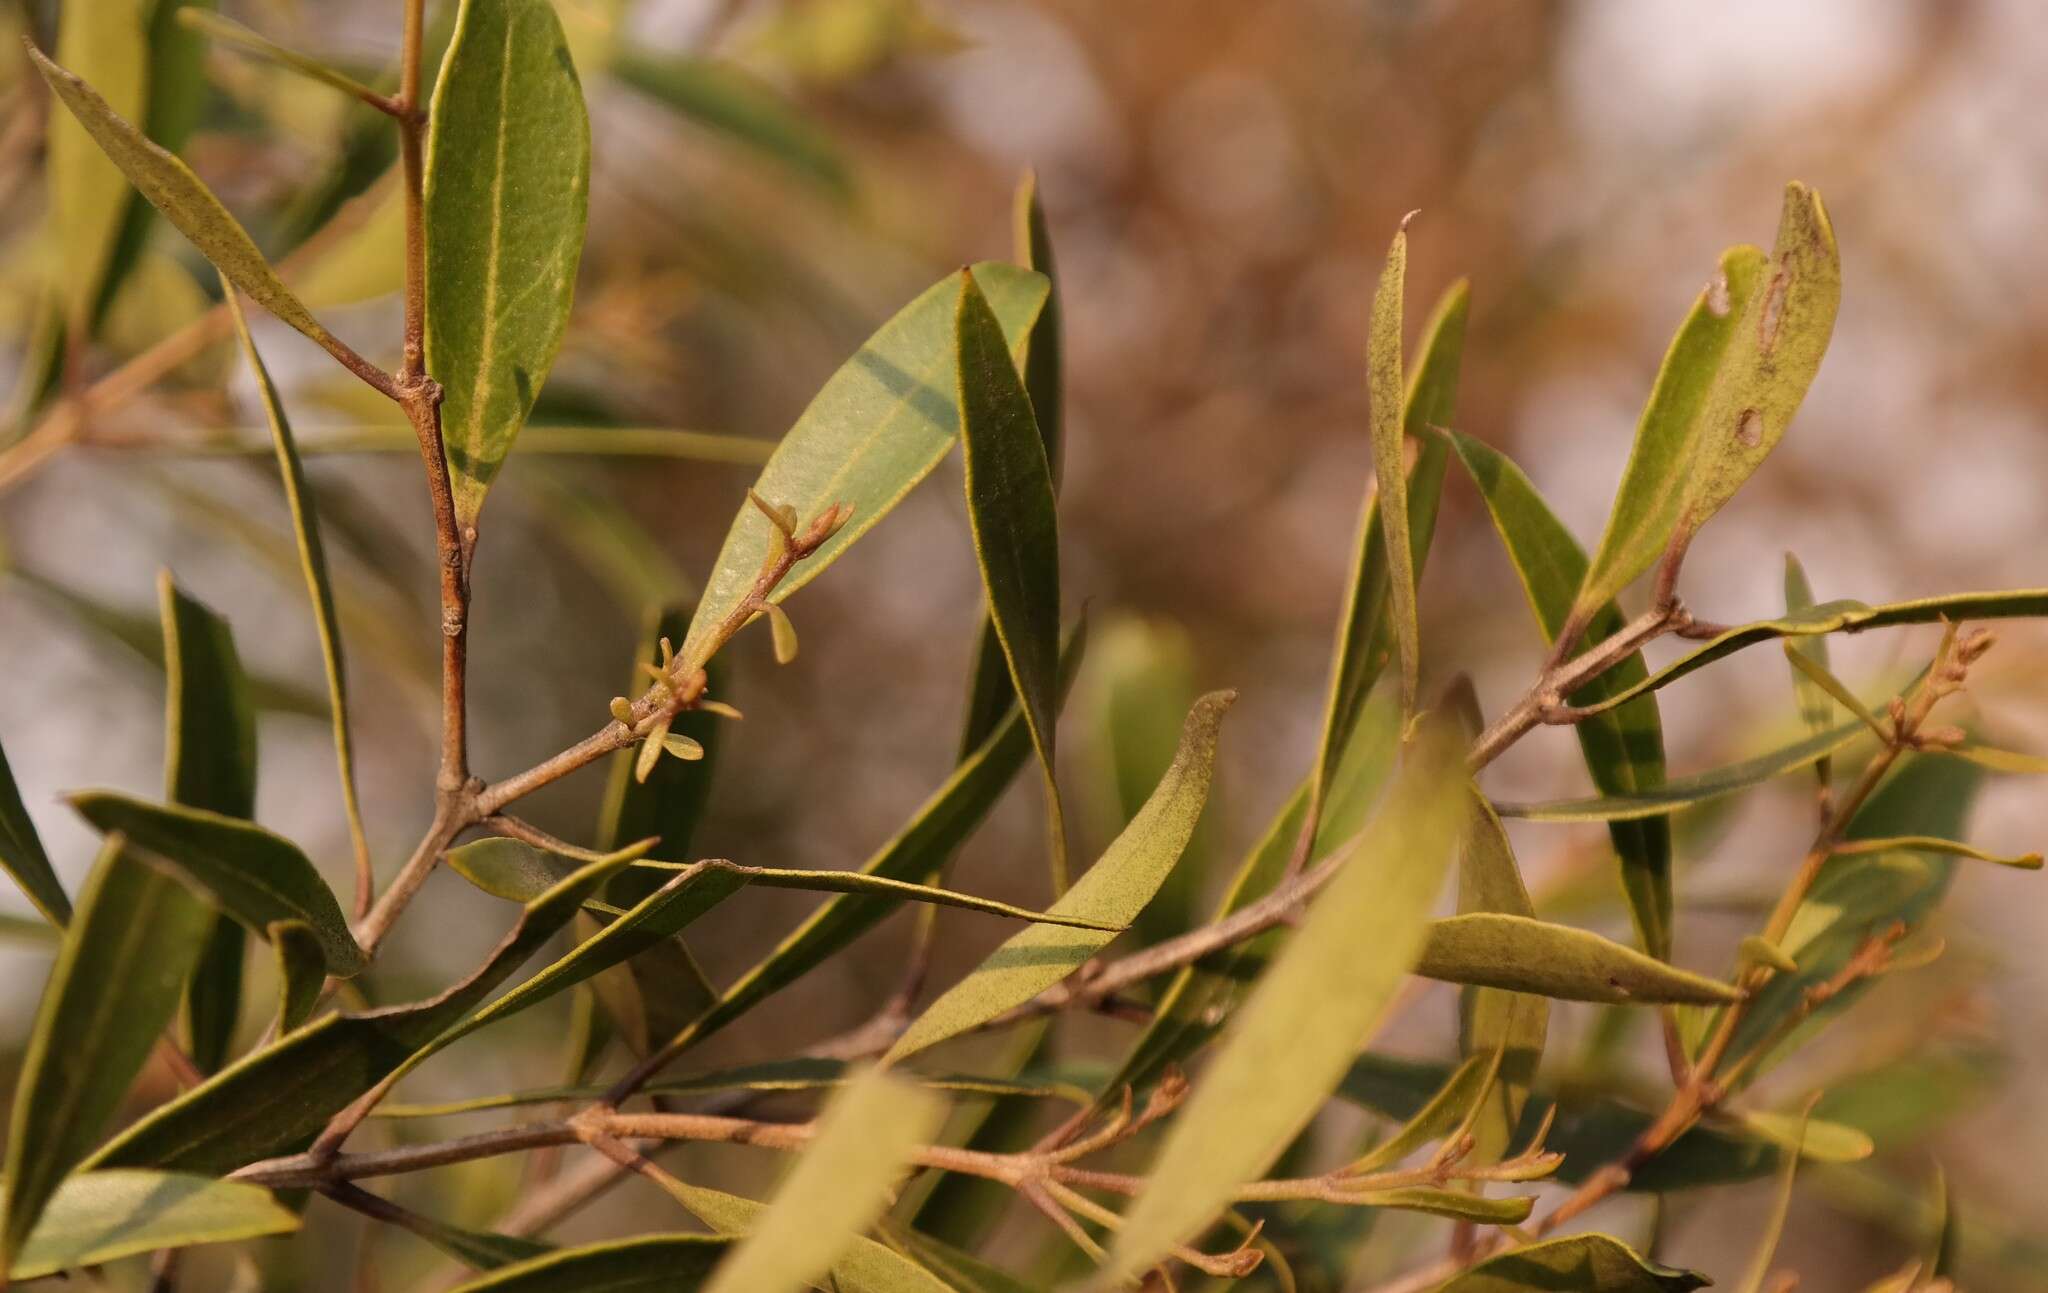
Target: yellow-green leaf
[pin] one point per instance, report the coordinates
(1579, 1264)
(642, 1264)
(98, 1217)
(1767, 1244)
(1816, 706)
(1522, 954)
(838, 1188)
(1494, 1021)
(723, 97)
(1390, 468)
(21, 852)
(507, 196)
(107, 42)
(1113, 891)
(1289, 1046)
(863, 1267)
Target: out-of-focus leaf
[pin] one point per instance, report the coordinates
(1985, 756)
(1624, 748)
(917, 852)
(480, 1250)
(1365, 626)
(642, 1264)
(1814, 1138)
(301, 972)
(583, 516)
(1684, 792)
(838, 1188)
(275, 1099)
(209, 763)
(1455, 1204)
(1491, 1021)
(97, 1217)
(108, 44)
(1113, 891)
(962, 1210)
(1011, 511)
(863, 1267)
(963, 1270)
(256, 876)
(1935, 844)
(1437, 1119)
(725, 98)
(1528, 955)
(875, 429)
(233, 35)
(187, 203)
(1767, 1244)
(1907, 1097)
(319, 587)
(507, 197)
(1843, 616)
(1389, 464)
(1579, 1264)
(1288, 1048)
(21, 852)
(1646, 503)
(113, 989)
(363, 263)
(1815, 705)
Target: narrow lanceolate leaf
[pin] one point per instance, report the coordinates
(875, 429)
(1646, 505)
(230, 34)
(1816, 706)
(1113, 891)
(1845, 617)
(301, 971)
(1287, 1049)
(1363, 632)
(642, 1264)
(917, 852)
(188, 204)
(1580, 1264)
(1011, 510)
(113, 989)
(507, 196)
(863, 1267)
(97, 1217)
(480, 1250)
(1522, 954)
(108, 45)
(1493, 1021)
(313, 561)
(837, 1189)
(21, 852)
(1390, 468)
(254, 875)
(1623, 748)
(1781, 1204)
(1684, 792)
(209, 763)
(276, 1099)
(725, 98)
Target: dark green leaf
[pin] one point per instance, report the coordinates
(507, 196)
(1624, 748)
(98, 1217)
(1011, 510)
(21, 852)
(112, 991)
(725, 98)
(1579, 1264)
(301, 972)
(875, 429)
(1113, 891)
(256, 876)
(642, 1264)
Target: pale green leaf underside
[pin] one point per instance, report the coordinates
(1498, 950)
(97, 1217)
(1390, 469)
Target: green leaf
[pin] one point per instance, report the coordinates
(301, 972)
(1455, 1204)
(1623, 748)
(864, 1267)
(98, 1217)
(209, 763)
(963, 1270)
(256, 876)
(113, 989)
(319, 586)
(21, 852)
(1767, 1244)
(277, 1098)
(1579, 1264)
(1844, 617)
(875, 429)
(1816, 706)
(254, 44)
(1812, 1138)
(188, 204)
(480, 1250)
(1646, 504)
(838, 1188)
(1684, 792)
(917, 852)
(1011, 510)
(1390, 470)
(1290, 1045)
(1443, 1114)
(1113, 891)
(725, 98)
(1527, 955)
(507, 197)
(1362, 647)
(642, 1264)
(962, 1210)
(1492, 1021)
(108, 43)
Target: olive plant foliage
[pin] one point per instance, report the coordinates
(1186, 1157)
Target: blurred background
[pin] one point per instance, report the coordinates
(773, 178)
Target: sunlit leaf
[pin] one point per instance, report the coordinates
(256, 876)
(1579, 1264)
(507, 195)
(97, 1217)
(1624, 748)
(1011, 511)
(1526, 955)
(1490, 1020)
(641, 1264)
(21, 852)
(108, 44)
(1808, 1137)
(838, 1188)
(1113, 891)
(114, 988)
(1390, 468)
(1289, 1046)
(725, 98)
(863, 1267)
(875, 429)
